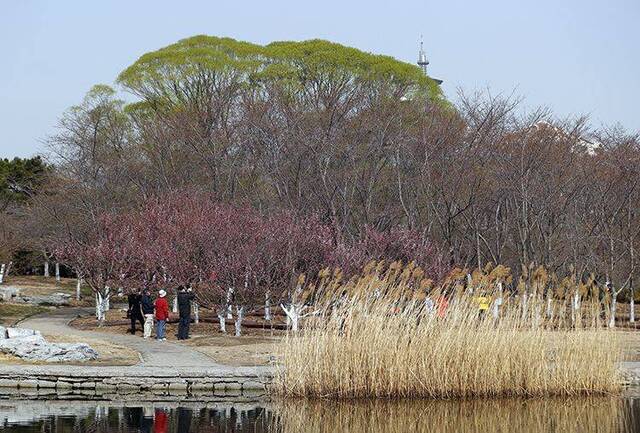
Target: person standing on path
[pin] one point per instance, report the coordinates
(185, 296)
(135, 313)
(147, 310)
(162, 314)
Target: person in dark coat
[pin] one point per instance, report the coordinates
(135, 312)
(185, 297)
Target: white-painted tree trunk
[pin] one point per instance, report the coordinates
(238, 322)
(575, 308)
(614, 307)
(78, 287)
(174, 307)
(98, 307)
(632, 303)
(229, 306)
(293, 315)
(57, 272)
(2, 269)
(267, 306)
(101, 306)
(497, 303)
(107, 299)
(223, 323)
(196, 313)
(46, 269)
(538, 309)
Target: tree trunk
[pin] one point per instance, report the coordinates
(293, 315)
(174, 307)
(196, 313)
(537, 308)
(57, 272)
(524, 305)
(614, 306)
(46, 269)
(2, 268)
(223, 323)
(497, 303)
(107, 299)
(101, 306)
(632, 305)
(576, 307)
(267, 306)
(239, 317)
(229, 306)
(549, 307)
(78, 287)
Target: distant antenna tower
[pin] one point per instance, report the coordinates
(422, 57)
(423, 62)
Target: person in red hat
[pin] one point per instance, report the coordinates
(162, 315)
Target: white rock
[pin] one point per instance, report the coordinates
(3, 332)
(30, 345)
(20, 332)
(6, 293)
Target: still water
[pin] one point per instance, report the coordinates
(601, 415)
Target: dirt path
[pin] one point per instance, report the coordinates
(153, 353)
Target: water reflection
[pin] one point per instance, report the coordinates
(601, 415)
(514, 416)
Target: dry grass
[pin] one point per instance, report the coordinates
(35, 285)
(590, 415)
(13, 313)
(236, 351)
(377, 339)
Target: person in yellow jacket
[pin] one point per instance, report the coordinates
(483, 304)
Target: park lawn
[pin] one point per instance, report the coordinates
(37, 285)
(10, 313)
(248, 350)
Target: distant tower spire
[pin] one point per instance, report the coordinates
(423, 62)
(422, 57)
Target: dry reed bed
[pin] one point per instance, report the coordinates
(378, 339)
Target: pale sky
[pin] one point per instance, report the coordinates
(575, 57)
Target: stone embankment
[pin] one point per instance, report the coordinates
(118, 381)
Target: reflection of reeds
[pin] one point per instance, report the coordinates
(602, 415)
(375, 338)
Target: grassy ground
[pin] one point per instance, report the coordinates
(237, 351)
(35, 285)
(13, 313)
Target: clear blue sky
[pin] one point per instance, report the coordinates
(576, 57)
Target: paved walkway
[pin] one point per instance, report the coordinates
(162, 363)
(153, 353)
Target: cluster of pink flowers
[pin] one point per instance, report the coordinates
(192, 239)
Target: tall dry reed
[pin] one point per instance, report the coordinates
(378, 337)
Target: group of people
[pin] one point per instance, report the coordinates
(143, 309)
